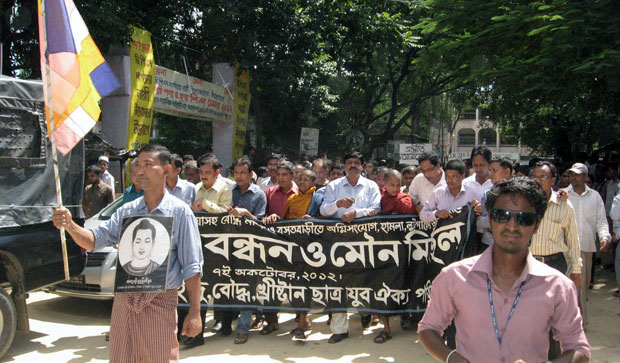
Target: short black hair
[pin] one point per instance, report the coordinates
(432, 157)
(554, 170)
(382, 170)
(176, 161)
(274, 156)
(163, 154)
(356, 155)
(338, 166)
(504, 162)
(482, 150)
(93, 169)
(519, 185)
(261, 170)
(523, 169)
(187, 157)
(242, 161)
(285, 164)
(456, 164)
(210, 159)
(313, 175)
(408, 169)
(144, 224)
(327, 164)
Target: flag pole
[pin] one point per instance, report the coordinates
(48, 81)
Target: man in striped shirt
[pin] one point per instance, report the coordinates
(556, 242)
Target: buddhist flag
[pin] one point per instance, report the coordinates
(75, 74)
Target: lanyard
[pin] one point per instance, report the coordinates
(512, 310)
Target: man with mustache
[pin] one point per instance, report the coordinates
(349, 197)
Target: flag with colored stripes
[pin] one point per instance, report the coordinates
(78, 74)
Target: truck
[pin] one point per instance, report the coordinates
(30, 248)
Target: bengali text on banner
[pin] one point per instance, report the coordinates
(142, 88)
(382, 264)
(181, 95)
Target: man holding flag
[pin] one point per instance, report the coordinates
(75, 78)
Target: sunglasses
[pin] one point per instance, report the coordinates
(525, 219)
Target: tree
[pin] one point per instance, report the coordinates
(547, 71)
(387, 69)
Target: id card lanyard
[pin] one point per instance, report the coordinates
(512, 310)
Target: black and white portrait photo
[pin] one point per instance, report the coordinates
(143, 251)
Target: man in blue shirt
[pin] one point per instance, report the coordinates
(178, 187)
(133, 191)
(142, 328)
(350, 197)
(249, 201)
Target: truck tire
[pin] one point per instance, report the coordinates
(8, 321)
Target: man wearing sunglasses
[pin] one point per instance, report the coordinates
(504, 301)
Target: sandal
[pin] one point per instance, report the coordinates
(257, 323)
(382, 337)
(298, 333)
(241, 338)
(268, 329)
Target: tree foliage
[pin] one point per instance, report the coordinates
(547, 71)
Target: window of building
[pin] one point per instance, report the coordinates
(487, 136)
(468, 114)
(467, 137)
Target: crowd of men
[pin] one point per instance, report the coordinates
(539, 230)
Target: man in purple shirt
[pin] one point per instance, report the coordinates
(504, 301)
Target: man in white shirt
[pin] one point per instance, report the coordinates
(430, 178)
(103, 163)
(500, 169)
(615, 217)
(272, 170)
(349, 197)
(611, 187)
(591, 220)
(451, 196)
(480, 181)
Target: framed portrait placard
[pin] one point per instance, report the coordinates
(143, 252)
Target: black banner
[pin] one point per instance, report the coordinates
(374, 264)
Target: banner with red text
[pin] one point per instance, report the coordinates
(181, 95)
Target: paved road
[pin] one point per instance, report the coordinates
(72, 330)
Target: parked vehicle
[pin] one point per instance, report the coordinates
(97, 279)
(30, 247)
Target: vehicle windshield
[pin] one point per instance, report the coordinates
(107, 212)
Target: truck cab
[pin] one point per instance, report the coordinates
(30, 247)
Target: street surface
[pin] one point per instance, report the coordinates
(73, 330)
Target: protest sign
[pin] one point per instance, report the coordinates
(409, 153)
(309, 141)
(143, 251)
(382, 264)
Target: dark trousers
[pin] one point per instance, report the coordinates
(271, 317)
(558, 262)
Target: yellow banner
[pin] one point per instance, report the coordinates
(142, 88)
(242, 108)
